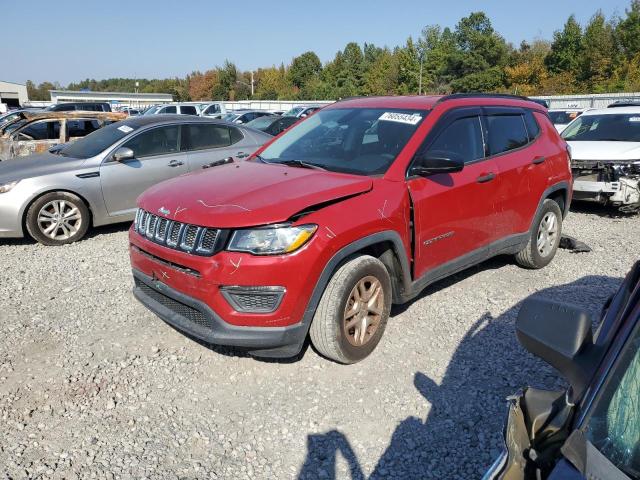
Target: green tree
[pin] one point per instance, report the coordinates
(598, 53)
(481, 55)
(628, 31)
(304, 68)
(225, 89)
(565, 48)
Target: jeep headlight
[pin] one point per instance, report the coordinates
(5, 187)
(271, 240)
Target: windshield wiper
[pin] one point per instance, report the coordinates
(301, 164)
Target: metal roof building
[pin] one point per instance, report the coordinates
(117, 98)
(13, 94)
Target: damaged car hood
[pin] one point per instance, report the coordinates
(603, 150)
(248, 194)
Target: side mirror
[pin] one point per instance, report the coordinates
(431, 163)
(560, 334)
(56, 148)
(122, 154)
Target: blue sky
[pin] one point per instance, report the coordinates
(71, 40)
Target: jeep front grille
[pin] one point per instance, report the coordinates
(177, 235)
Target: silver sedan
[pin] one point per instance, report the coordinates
(95, 181)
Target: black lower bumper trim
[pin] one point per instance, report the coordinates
(198, 320)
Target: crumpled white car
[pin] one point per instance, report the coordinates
(605, 152)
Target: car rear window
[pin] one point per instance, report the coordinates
(506, 132)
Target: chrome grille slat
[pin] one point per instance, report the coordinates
(176, 235)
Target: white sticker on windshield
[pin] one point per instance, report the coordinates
(634, 119)
(125, 128)
(408, 118)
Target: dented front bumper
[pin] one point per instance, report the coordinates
(609, 183)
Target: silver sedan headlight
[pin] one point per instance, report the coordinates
(5, 187)
(271, 240)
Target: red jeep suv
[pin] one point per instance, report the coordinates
(359, 206)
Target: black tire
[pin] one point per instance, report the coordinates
(69, 231)
(531, 256)
(328, 333)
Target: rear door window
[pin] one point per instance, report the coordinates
(157, 141)
(533, 129)
(462, 138)
(506, 132)
(202, 137)
(81, 128)
(188, 110)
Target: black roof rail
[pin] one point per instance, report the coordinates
(455, 96)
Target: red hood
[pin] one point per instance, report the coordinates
(247, 193)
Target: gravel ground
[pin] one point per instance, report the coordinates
(92, 385)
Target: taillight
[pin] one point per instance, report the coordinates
(569, 155)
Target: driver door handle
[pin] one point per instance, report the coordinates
(175, 163)
(538, 160)
(486, 177)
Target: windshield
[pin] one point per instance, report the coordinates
(261, 123)
(619, 127)
(6, 119)
(230, 117)
(10, 127)
(151, 111)
(97, 141)
(293, 112)
(563, 117)
(363, 141)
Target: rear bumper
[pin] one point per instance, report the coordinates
(200, 321)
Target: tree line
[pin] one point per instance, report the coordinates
(601, 56)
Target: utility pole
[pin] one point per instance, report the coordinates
(251, 83)
(420, 81)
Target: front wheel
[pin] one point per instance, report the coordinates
(353, 311)
(544, 238)
(57, 218)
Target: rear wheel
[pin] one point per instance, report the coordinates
(545, 237)
(353, 311)
(57, 218)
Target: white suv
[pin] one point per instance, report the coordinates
(175, 108)
(605, 149)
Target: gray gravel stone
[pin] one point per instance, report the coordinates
(92, 385)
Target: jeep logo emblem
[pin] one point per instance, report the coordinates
(164, 211)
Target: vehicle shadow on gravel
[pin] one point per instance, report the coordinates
(460, 435)
(605, 211)
(91, 233)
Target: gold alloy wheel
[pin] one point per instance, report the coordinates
(363, 311)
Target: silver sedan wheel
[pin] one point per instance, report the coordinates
(59, 219)
(547, 234)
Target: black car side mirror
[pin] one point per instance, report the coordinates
(122, 154)
(560, 334)
(431, 163)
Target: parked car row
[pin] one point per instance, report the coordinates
(96, 180)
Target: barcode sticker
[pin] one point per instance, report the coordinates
(408, 118)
